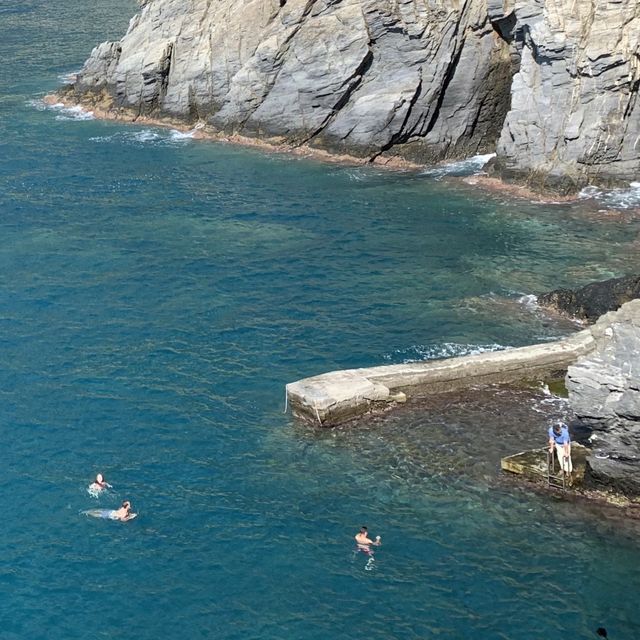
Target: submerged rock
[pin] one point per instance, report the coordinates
(553, 85)
(594, 300)
(604, 393)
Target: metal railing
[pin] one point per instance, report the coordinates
(559, 479)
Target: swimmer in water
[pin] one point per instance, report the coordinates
(124, 512)
(364, 543)
(99, 484)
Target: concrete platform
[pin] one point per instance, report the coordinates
(335, 397)
(532, 464)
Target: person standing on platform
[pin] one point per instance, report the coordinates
(560, 440)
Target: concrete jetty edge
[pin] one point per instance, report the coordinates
(338, 396)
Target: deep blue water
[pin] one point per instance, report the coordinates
(157, 293)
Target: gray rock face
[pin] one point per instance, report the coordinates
(552, 83)
(421, 80)
(574, 112)
(604, 392)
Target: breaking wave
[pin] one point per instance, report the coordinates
(549, 403)
(467, 167)
(529, 301)
(147, 136)
(419, 353)
(614, 198)
(69, 77)
(72, 113)
(63, 111)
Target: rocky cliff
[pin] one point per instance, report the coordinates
(552, 84)
(604, 393)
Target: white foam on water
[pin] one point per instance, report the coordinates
(355, 176)
(529, 301)
(557, 404)
(69, 77)
(176, 135)
(613, 198)
(64, 112)
(146, 137)
(38, 104)
(95, 493)
(482, 159)
(467, 167)
(71, 113)
(419, 353)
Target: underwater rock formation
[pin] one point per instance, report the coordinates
(552, 83)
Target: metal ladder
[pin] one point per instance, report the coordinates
(556, 480)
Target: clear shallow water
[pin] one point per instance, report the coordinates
(157, 293)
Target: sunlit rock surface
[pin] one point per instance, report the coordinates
(552, 83)
(574, 114)
(604, 392)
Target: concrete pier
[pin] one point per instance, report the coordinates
(335, 397)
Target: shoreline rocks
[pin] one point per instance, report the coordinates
(552, 86)
(593, 300)
(604, 393)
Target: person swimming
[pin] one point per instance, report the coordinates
(98, 485)
(123, 513)
(364, 543)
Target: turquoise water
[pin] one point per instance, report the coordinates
(157, 293)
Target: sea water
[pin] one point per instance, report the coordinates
(156, 295)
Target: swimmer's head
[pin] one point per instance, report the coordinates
(602, 632)
(126, 504)
(99, 478)
(363, 529)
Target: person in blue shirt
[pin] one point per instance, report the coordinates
(560, 440)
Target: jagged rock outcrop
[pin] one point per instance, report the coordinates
(604, 393)
(593, 300)
(555, 81)
(574, 115)
(427, 80)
